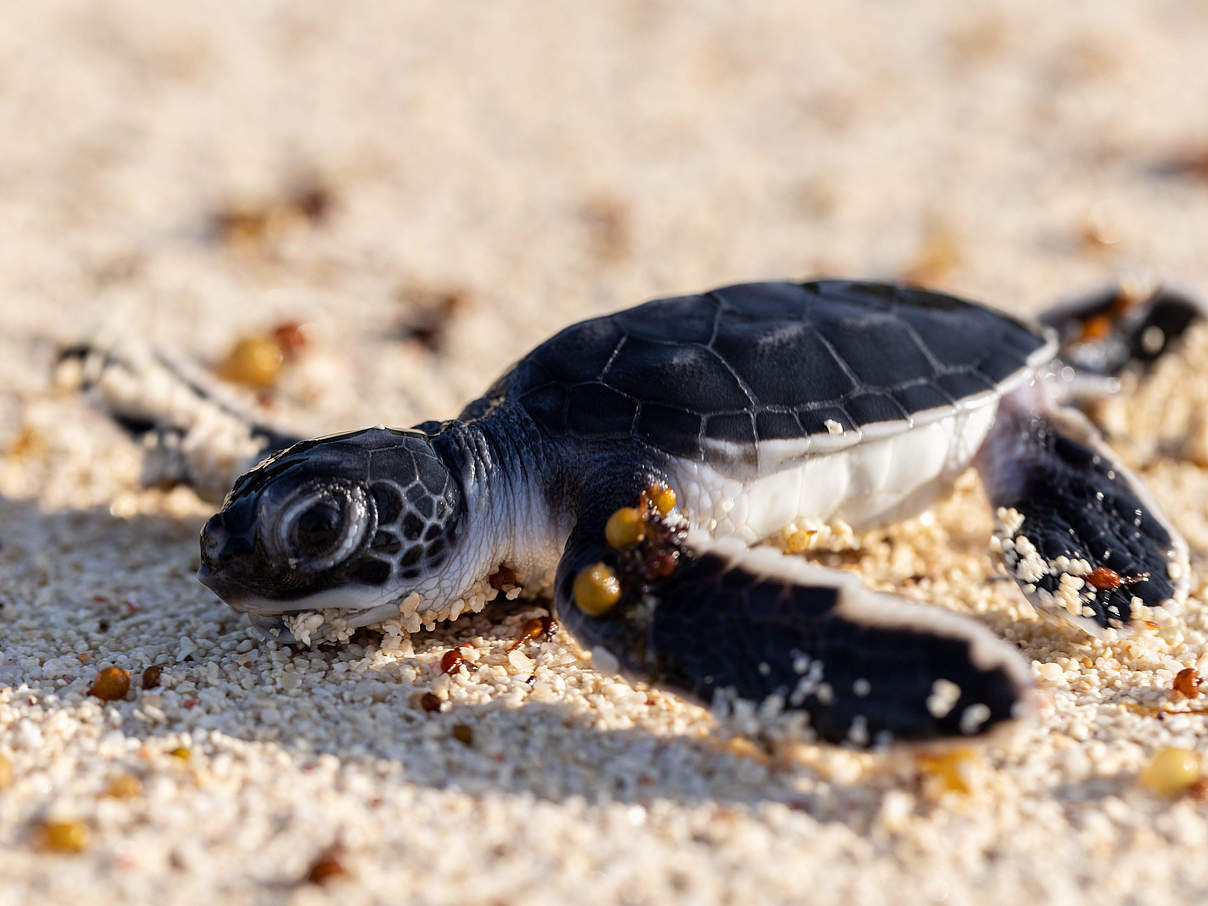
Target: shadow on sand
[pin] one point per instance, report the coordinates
(121, 592)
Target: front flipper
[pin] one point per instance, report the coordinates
(189, 434)
(782, 649)
(1073, 526)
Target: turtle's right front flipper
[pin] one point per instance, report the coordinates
(1073, 526)
(190, 436)
(783, 649)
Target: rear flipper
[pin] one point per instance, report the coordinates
(784, 650)
(1073, 526)
(190, 435)
(1120, 328)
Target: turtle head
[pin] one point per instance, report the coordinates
(354, 521)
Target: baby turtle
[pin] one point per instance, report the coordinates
(634, 458)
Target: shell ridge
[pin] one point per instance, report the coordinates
(738, 379)
(922, 346)
(612, 357)
(752, 400)
(717, 297)
(851, 375)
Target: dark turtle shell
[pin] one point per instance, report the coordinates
(710, 376)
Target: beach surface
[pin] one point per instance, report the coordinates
(432, 188)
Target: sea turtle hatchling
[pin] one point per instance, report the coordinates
(634, 458)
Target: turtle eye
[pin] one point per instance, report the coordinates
(317, 530)
(321, 527)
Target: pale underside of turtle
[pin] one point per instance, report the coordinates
(761, 406)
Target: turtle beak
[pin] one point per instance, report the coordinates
(226, 544)
(216, 582)
(223, 541)
(206, 576)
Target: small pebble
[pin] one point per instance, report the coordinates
(111, 684)
(951, 771)
(1171, 771)
(1103, 579)
(313, 200)
(430, 313)
(453, 659)
(742, 747)
(326, 867)
(534, 628)
(63, 836)
(243, 225)
(520, 661)
(1187, 682)
(123, 786)
(1050, 672)
(1100, 230)
(291, 338)
(28, 444)
(607, 219)
(937, 256)
(151, 676)
(254, 361)
(503, 578)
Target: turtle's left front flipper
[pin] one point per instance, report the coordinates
(189, 433)
(1073, 526)
(782, 649)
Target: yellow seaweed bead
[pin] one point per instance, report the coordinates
(951, 771)
(253, 361)
(625, 528)
(1171, 771)
(597, 589)
(663, 498)
(63, 836)
(123, 786)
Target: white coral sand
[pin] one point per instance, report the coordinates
(545, 162)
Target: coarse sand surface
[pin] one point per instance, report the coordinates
(431, 188)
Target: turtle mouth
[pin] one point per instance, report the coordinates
(349, 599)
(234, 594)
(211, 579)
(238, 597)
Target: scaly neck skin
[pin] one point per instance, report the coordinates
(505, 473)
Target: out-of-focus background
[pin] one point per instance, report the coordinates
(547, 161)
(422, 191)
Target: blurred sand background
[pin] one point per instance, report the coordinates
(432, 188)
